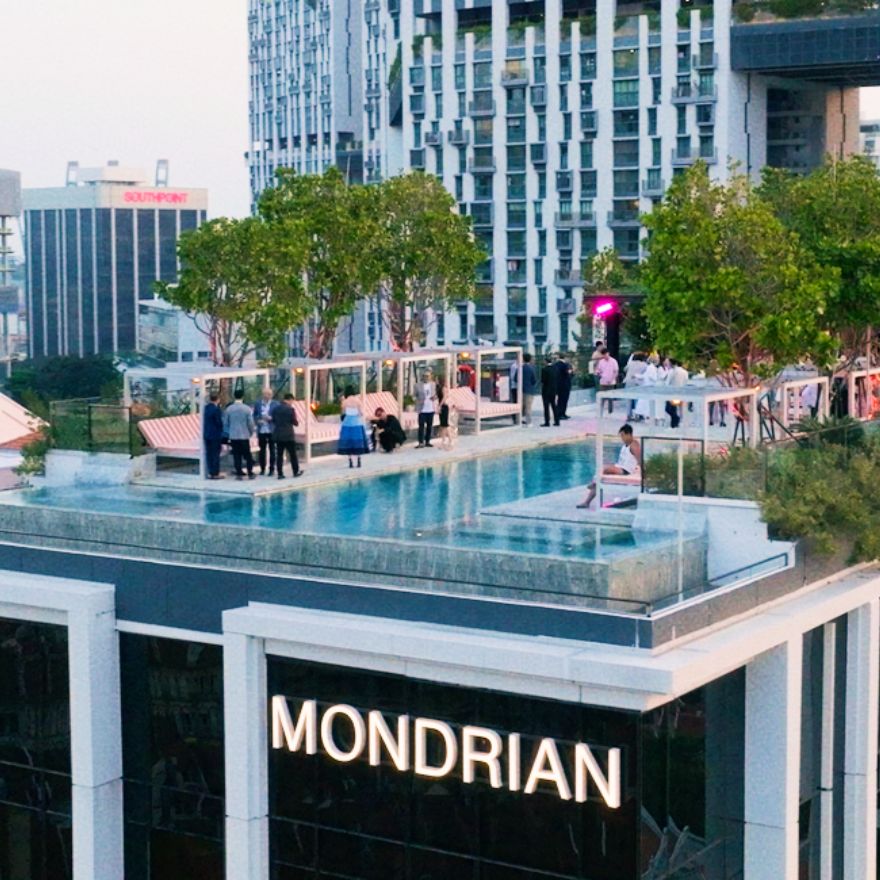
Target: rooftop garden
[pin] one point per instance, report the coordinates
(745, 11)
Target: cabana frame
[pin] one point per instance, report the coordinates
(795, 387)
(852, 378)
(479, 354)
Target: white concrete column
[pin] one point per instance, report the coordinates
(772, 763)
(826, 770)
(860, 761)
(246, 720)
(95, 739)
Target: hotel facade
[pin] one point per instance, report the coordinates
(555, 124)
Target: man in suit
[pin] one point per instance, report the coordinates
(548, 392)
(563, 386)
(390, 433)
(238, 420)
(212, 435)
(283, 422)
(263, 410)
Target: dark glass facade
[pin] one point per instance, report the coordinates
(682, 791)
(87, 269)
(35, 785)
(172, 729)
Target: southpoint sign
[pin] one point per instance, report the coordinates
(499, 756)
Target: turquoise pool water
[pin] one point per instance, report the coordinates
(434, 505)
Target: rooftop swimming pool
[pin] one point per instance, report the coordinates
(442, 504)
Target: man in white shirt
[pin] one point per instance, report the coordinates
(677, 378)
(426, 401)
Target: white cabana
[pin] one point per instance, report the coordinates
(477, 355)
(862, 403)
(790, 395)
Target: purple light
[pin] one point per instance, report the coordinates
(603, 309)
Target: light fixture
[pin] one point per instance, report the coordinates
(604, 309)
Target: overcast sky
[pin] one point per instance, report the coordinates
(134, 80)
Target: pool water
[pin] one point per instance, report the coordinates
(434, 505)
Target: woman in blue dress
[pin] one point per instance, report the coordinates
(353, 439)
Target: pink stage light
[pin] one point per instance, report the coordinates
(603, 309)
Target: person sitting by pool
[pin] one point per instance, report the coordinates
(353, 439)
(389, 431)
(627, 462)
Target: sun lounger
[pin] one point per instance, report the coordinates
(387, 401)
(466, 403)
(177, 436)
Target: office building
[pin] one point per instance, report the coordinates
(10, 213)
(396, 677)
(94, 249)
(556, 125)
(869, 135)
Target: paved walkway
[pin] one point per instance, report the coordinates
(492, 441)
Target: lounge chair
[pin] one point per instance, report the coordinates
(466, 403)
(177, 436)
(319, 432)
(387, 401)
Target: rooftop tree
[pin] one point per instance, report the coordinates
(338, 225)
(727, 282)
(835, 212)
(241, 282)
(428, 254)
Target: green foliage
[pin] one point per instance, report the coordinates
(394, 73)
(241, 281)
(427, 253)
(738, 473)
(606, 271)
(338, 225)
(33, 457)
(328, 409)
(34, 383)
(726, 280)
(835, 212)
(835, 431)
(746, 10)
(683, 16)
(827, 496)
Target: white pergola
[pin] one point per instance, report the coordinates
(790, 398)
(192, 379)
(478, 354)
(305, 369)
(869, 375)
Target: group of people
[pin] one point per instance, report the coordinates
(555, 387)
(273, 421)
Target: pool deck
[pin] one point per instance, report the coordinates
(329, 469)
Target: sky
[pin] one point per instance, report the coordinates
(136, 81)
(132, 80)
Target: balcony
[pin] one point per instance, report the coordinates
(482, 214)
(569, 278)
(459, 137)
(433, 138)
(481, 108)
(486, 272)
(706, 61)
(684, 93)
(564, 181)
(707, 155)
(512, 77)
(538, 154)
(653, 185)
(574, 220)
(516, 108)
(483, 165)
(538, 96)
(619, 218)
(706, 114)
(589, 122)
(707, 93)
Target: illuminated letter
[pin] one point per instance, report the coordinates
(514, 782)
(586, 765)
(422, 767)
(357, 726)
(380, 735)
(547, 767)
(283, 731)
(470, 755)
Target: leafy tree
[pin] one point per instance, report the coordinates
(35, 383)
(605, 271)
(835, 212)
(241, 281)
(725, 280)
(338, 224)
(428, 254)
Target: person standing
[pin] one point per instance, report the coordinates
(263, 411)
(528, 385)
(514, 384)
(594, 357)
(676, 378)
(607, 371)
(633, 374)
(212, 434)
(644, 410)
(564, 373)
(284, 420)
(426, 406)
(353, 439)
(548, 392)
(238, 420)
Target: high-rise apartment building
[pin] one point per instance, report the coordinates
(869, 134)
(557, 124)
(94, 249)
(306, 87)
(10, 211)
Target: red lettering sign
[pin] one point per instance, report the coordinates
(152, 197)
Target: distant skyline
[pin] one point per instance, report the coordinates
(92, 80)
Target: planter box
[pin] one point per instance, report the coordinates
(67, 467)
